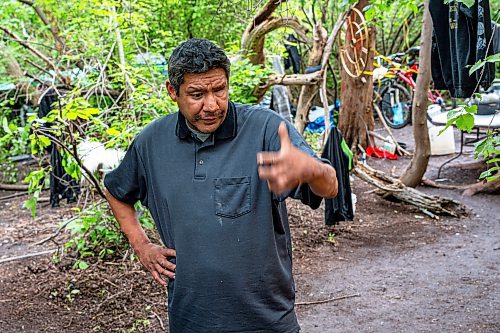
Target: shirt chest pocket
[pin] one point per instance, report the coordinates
(232, 196)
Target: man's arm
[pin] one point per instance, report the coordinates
(289, 167)
(153, 257)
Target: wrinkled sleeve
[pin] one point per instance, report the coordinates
(128, 182)
(302, 192)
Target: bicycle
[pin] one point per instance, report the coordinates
(391, 95)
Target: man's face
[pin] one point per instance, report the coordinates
(203, 99)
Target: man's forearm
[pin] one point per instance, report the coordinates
(323, 179)
(126, 216)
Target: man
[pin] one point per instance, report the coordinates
(215, 176)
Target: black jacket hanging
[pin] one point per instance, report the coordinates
(61, 184)
(339, 208)
(461, 38)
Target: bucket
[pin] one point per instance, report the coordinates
(443, 144)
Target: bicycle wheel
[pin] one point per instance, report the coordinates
(396, 105)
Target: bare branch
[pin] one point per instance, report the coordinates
(54, 29)
(39, 54)
(253, 44)
(261, 16)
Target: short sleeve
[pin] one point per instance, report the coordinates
(302, 192)
(128, 182)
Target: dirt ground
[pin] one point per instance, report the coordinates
(399, 270)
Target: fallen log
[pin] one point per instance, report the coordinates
(13, 187)
(393, 188)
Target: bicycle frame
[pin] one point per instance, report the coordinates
(407, 77)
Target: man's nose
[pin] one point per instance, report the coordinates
(210, 103)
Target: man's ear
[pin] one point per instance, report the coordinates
(171, 91)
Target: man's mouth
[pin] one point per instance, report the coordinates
(214, 118)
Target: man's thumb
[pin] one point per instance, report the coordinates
(283, 133)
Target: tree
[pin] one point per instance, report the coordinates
(356, 116)
(416, 170)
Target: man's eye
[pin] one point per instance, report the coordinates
(220, 92)
(197, 95)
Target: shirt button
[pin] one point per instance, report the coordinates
(201, 162)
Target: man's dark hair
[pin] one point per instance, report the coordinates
(195, 56)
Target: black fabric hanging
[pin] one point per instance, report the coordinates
(293, 58)
(339, 208)
(461, 38)
(62, 185)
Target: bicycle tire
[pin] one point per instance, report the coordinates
(396, 101)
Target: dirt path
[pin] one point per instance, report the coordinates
(412, 276)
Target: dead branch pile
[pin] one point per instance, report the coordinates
(392, 188)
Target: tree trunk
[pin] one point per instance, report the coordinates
(356, 116)
(308, 92)
(416, 170)
(252, 44)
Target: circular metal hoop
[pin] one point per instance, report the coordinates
(354, 43)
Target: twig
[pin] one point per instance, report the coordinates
(65, 223)
(110, 298)
(159, 319)
(13, 187)
(328, 300)
(15, 195)
(27, 256)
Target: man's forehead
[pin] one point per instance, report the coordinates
(217, 75)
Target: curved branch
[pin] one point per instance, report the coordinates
(262, 15)
(253, 43)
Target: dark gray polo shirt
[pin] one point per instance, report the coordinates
(231, 234)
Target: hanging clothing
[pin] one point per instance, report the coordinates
(495, 32)
(280, 102)
(62, 185)
(340, 156)
(293, 58)
(461, 38)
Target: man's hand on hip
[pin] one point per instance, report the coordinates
(155, 259)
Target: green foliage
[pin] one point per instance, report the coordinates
(481, 63)
(314, 140)
(13, 141)
(463, 118)
(95, 235)
(398, 24)
(245, 77)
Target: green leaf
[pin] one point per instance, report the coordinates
(71, 115)
(31, 204)
(82, 265)
(5, 124)
(45, 141)
(112, 131)
(481, 63)
(465, 122)
(493, 160)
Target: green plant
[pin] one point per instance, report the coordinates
(331, 238)
(245, 77)
(95, 235)
(139, 324)
(463, 118)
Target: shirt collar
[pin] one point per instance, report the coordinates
(226, 130)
